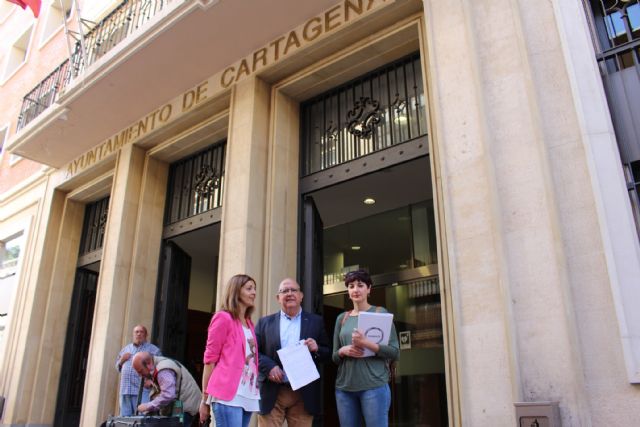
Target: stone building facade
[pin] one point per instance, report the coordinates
(463, 152)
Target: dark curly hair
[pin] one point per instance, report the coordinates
(360, 275)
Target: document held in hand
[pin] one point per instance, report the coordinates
(376, 327)
(298, 365)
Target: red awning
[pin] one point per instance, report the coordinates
(34, 5)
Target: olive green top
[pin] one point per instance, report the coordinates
(364, 373)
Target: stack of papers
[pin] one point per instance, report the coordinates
(298, 365)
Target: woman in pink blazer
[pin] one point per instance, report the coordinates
(230, 377)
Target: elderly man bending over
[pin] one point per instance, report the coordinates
(169, 381)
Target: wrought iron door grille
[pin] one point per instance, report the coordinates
(195, 184)
(95, 222)
(380, 109)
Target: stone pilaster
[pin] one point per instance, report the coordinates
(243, 216)
(282, 198)
(100, 393)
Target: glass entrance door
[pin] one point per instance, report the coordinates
(384, 222)
(418, 387)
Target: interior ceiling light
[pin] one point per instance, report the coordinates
(369, 201)
(400, 120)
(355, 248)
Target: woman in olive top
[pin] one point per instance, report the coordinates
(362, 384)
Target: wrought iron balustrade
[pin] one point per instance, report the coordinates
(103, 36)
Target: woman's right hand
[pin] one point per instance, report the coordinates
(204, 412)
(350, 351)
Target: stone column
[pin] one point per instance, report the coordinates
(100, 392)
(54, 330)
(25, 364)
(146, 250)
(511, 175)
(243, 216)
(282, 198)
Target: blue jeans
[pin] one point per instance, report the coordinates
(129, 402)
(230, 416)
(372, 405)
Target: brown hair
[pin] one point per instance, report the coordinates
(231, 298)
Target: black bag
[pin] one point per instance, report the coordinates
(144, 421)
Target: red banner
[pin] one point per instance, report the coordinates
(34, 5)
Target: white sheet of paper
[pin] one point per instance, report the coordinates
(376, 327)
(298, 365)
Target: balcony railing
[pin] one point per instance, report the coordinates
(104, 36)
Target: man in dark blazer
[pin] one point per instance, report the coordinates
(287, 327)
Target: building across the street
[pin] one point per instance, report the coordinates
(481, 159)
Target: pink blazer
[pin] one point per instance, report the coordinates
(226, 348)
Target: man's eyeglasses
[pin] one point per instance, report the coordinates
(288, 291)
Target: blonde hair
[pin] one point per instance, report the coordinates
(231, 298)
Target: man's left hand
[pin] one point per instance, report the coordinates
(142, 408)
(312, 344)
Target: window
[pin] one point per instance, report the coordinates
(17, 54)
(58, 12)
(10, 250)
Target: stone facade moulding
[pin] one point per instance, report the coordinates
(285, 48)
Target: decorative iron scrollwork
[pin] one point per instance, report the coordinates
(207, 181)
(364, 117)
(399, 105)
(101, 221)
(331, 134)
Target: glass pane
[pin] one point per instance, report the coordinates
(424, 236)
(418, 388)
(634, 16)
(380, 243)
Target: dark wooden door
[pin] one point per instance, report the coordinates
(76, 350)
(172, 302)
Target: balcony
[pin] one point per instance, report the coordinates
(121, 22)
(145, 53)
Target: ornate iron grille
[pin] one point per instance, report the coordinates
(95, 222)
(195, 184)
(125, 19)
(383, 108)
